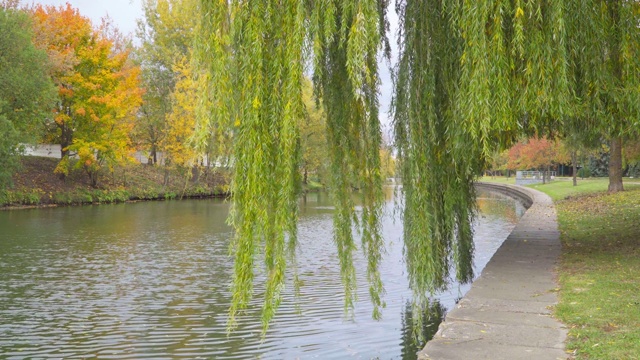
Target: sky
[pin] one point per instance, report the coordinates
(124, 14)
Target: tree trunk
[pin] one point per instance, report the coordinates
(64, 153)
(615, 166)
(548, 173)
(574, 164)
(165, 183)
(93, 177)
(195, 174)
(543, 177)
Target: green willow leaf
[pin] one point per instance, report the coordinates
(471, 77)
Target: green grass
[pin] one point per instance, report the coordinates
(562, 188)
(499, 179)
(599, 273)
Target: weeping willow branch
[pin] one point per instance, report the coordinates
(471, 77)
(255, 51)
(347, 36)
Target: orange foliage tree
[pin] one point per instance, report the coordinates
(536, 153)
(98, 90)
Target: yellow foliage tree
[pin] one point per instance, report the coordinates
(178, 142)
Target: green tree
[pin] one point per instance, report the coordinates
(26, 91)
(388, 162)
(313, 141)
(577, 144)
(499, 162)
(604, 55)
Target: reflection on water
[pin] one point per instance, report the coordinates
(498, 206)
(432, 316)
(150, 280)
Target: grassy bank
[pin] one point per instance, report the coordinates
(35, 184)
(562, 188)
(599, 273)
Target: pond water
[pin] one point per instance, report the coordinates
(150, 280)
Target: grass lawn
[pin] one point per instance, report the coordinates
(562, 188)
(599, 273)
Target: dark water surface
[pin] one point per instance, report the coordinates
(150, 280)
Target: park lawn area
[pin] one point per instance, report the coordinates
(599, 273)
(562, 188)
(499, 179)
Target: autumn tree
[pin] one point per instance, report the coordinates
(98, 91)
(178, 139)
(537, 153)
(26, 92)
(166, 33)
(632, 152)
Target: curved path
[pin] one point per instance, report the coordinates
(507, 312)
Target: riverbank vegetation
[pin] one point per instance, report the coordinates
(598, 273)
(36, 184)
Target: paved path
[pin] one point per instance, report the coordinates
(507, 312)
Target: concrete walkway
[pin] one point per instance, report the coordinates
(507, 312)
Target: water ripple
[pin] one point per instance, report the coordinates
(151, 280)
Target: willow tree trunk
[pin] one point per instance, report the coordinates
(574, 164)
(615, 166)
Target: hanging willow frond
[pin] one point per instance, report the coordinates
(471, 77)
(437, 181)
(255, 54)
(347, 39)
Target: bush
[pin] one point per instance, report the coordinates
(32, 197)
(62, 198)
(29, 197)
(110, 196)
